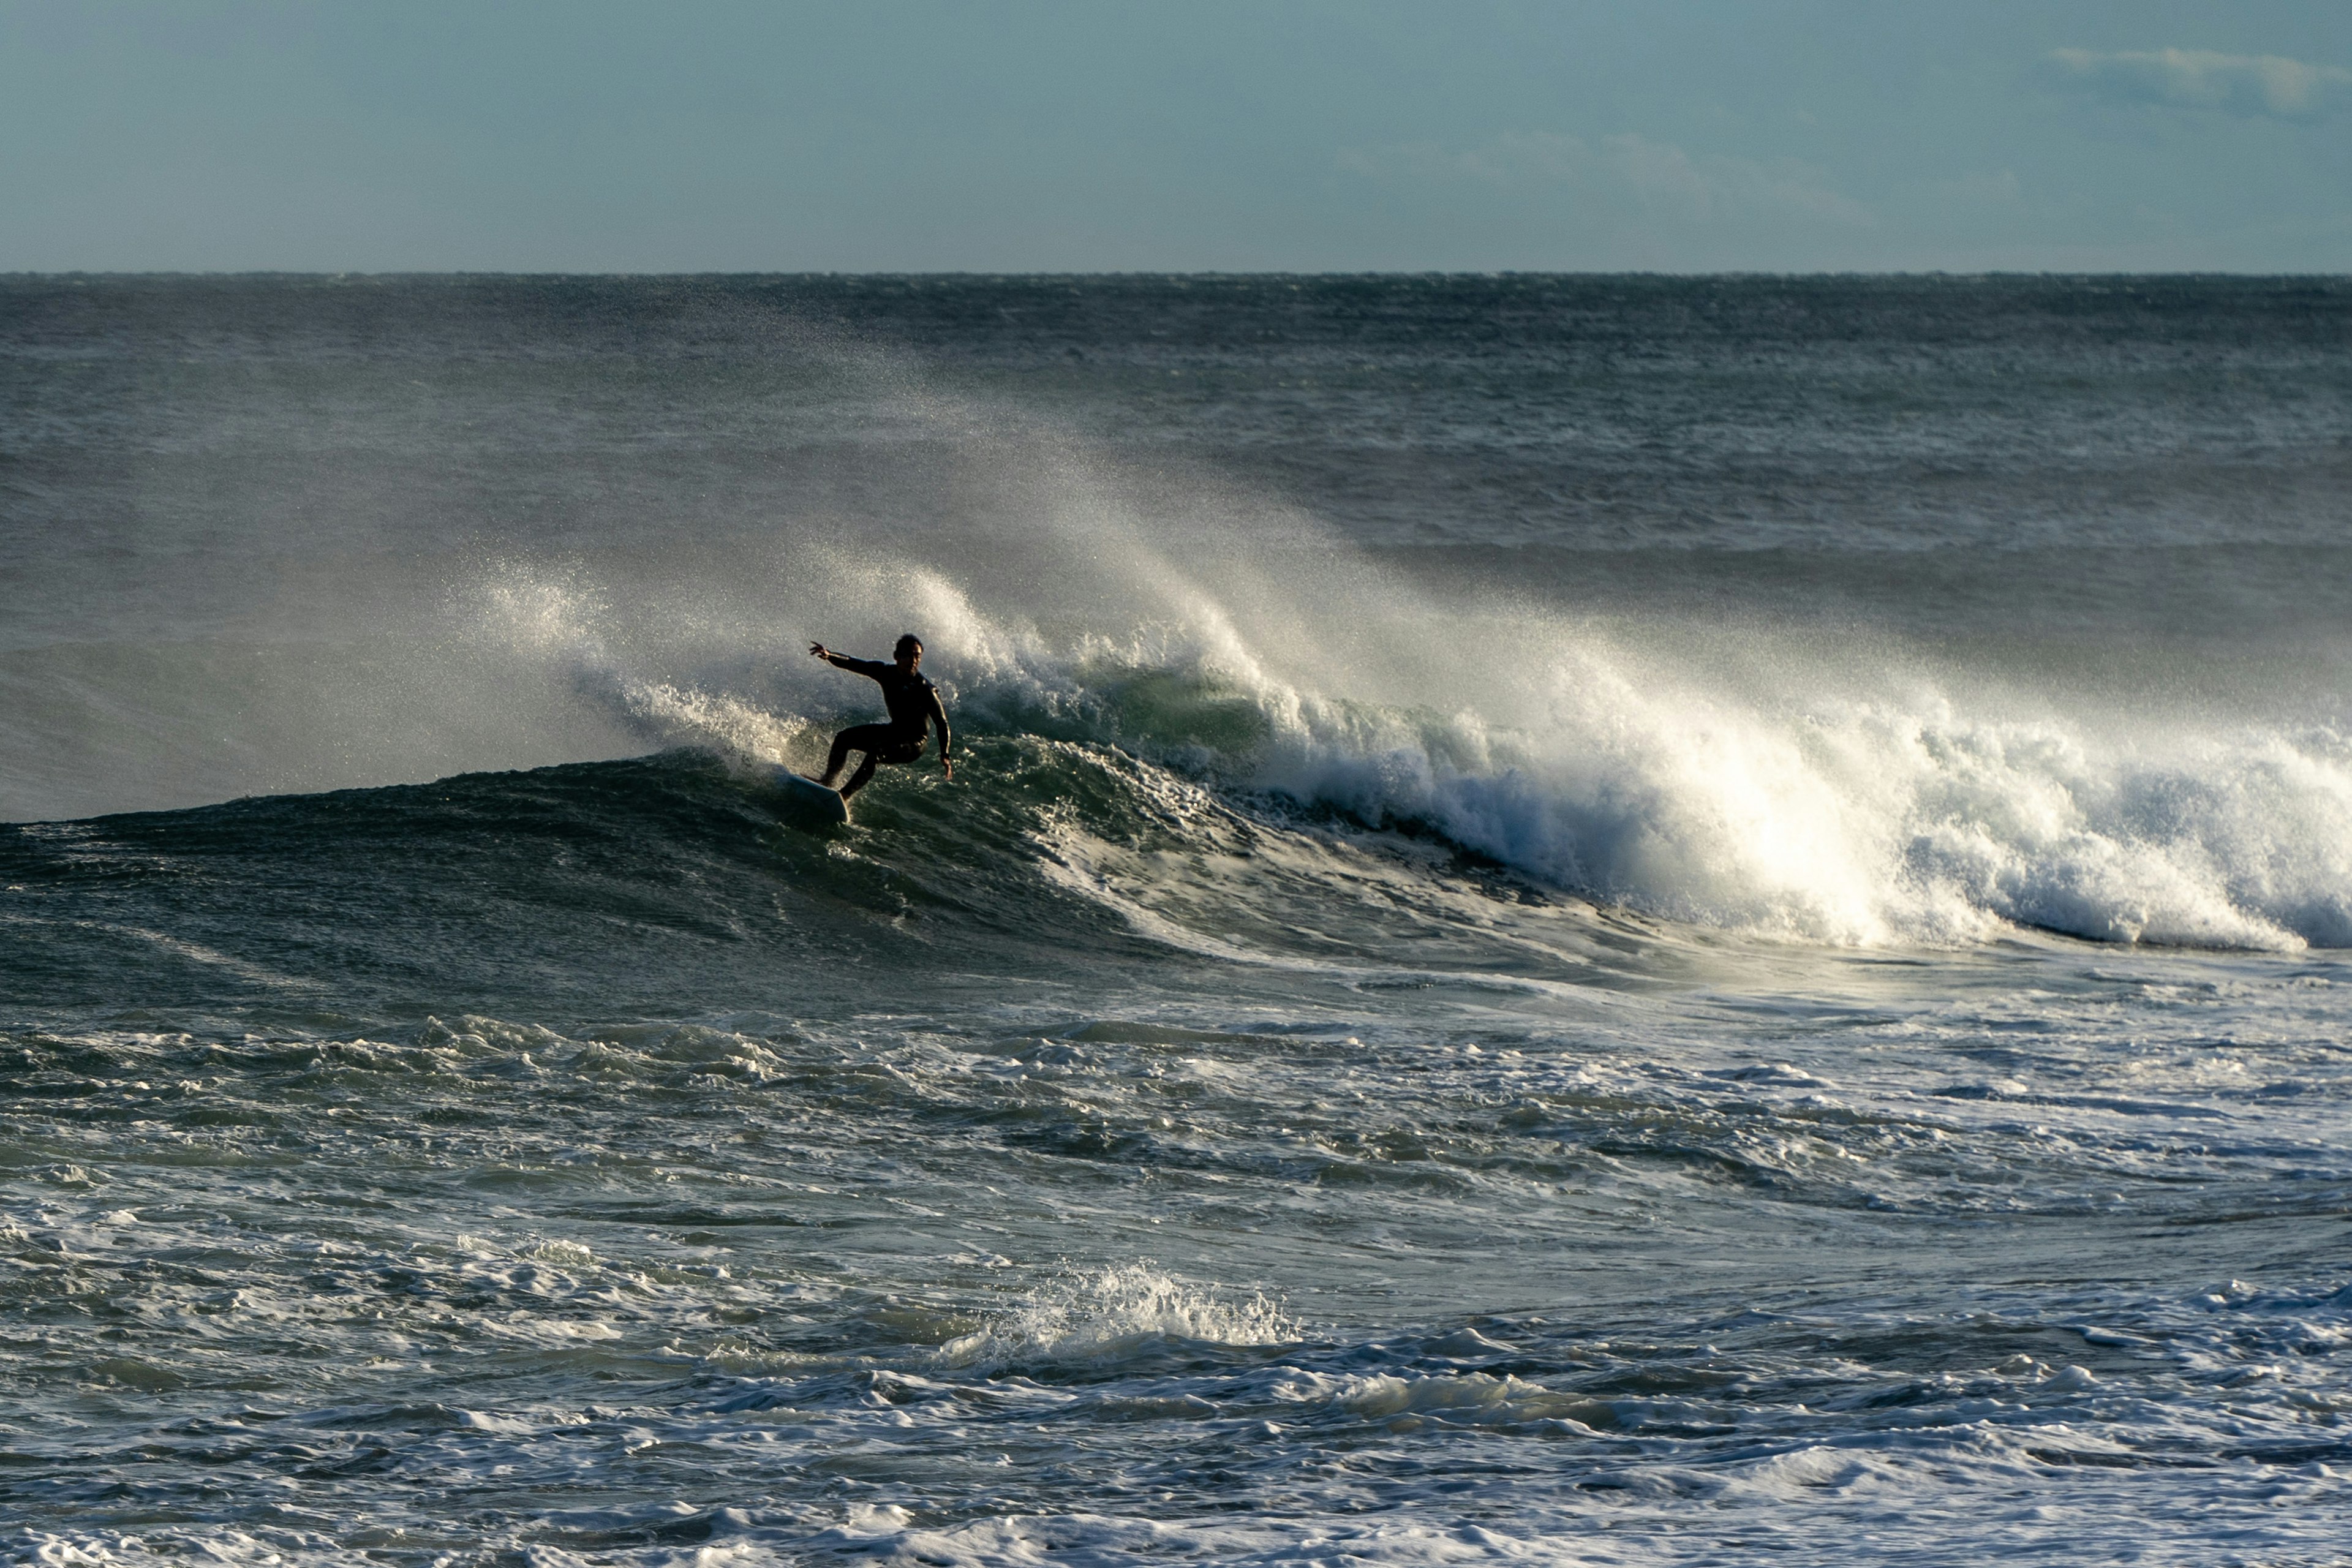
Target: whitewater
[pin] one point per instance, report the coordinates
(1615, 920)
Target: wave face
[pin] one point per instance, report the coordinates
(1573, 910)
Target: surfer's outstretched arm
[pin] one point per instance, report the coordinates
(871, 668)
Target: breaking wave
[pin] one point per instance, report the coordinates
(1760, 788)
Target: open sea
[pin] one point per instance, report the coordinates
(1582, 921)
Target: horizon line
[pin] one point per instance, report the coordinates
(342, 274)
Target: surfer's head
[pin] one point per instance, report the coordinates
(909, 651)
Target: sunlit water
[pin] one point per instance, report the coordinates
(1581, 921)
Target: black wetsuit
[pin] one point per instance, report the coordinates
(915, 707)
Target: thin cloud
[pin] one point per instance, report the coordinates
(2264, 85)
(1660, 177)
(1982, 190)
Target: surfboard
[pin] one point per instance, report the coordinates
(807, 798)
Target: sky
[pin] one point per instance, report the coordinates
(1176, 135)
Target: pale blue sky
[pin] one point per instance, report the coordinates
(1682, 135)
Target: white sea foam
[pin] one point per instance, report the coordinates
(1865, 821)
(1110, 1312)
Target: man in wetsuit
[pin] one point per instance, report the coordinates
(914, 703)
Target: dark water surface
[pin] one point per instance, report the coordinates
(1582, 920)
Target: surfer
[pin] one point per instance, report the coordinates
(914, 704)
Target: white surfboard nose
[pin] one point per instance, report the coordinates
(807, 797)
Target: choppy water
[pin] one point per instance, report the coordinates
(1586, 921)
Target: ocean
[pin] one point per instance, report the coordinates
(1582, 920)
